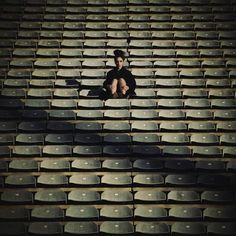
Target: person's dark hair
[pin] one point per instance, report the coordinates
(119, 53)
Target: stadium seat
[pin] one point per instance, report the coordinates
(150, 196)
(221, 213)
(17, 197)
(86, 164)
(117, 196)
(221, 228)
(183, 196)
(54, 165)
(117, 227)
(47, 213)
(148, 179)
(116, 212)
(150, 212)
(81, 228)
(148, 164)
(185, 213)
(86, 180)
(45, 228)
(188, 228)
(14, 213)
(149, 228)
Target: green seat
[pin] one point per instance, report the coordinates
(117, 196)
(52, 180)
(204, 139)
(117, 164)
(116, 180)
(55, 165)
(47, 213)
(183, 196)
(120, 126)
(197, 103)
(81, 228)
(181, 179)
(29, 138)
(57, 150)
(148, 179)
(218, 228)
(82, 212)
(152, 228)
(84, 196)
(37, 103)
(219, 213)
(84, 180)
(14, 213)
(210, 165)
(26, 151)
(188, 228)
(116, 212)
(179, 165)
(146, 138)
(86, 164)
(18, 180)
(88, 126)
(117, 227)
(88, 138)
(149, 196)
(173, 126)
(148, 164)
(85, 150)
(150, 212)
(52, 196)
(187, 213)
(117, 138)
(17, 197)
(175, 138)
(212, 196)
(45, 228)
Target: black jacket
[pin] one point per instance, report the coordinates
(122, 73)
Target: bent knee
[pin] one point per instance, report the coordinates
(122, 82)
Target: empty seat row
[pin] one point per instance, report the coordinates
(120, 180)
(117, 126)
(108, 53)
(90, 21)
(118, 114)
(107, 44)
(100, 63)
(121, 212)
(118, 228)
(120, 138)
(38, 100)
(198, 15)
(53, 196)
(148, 164)
(117, 150)
(128, 22)
(112, 6)
(139, 31)
(192, 13)
(114, 2)
(220, 38)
